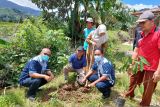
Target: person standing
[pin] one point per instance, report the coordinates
(149, 48)
(87, 31)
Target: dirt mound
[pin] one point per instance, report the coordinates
(68, 92)
(45, 95)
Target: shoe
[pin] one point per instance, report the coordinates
(105, 96)
(38, 90)
(31, 98)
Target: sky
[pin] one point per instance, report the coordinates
(26, 3)
(135, 4)
(141, 4)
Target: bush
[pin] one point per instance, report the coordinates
(31, 37)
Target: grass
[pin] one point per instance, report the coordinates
(50, 96)
(53, 95)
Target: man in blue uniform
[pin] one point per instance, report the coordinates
(36, 73)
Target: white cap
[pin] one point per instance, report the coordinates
(89, 20)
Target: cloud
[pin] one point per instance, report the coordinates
(26, 3)
(141, 6)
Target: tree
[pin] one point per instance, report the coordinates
(110, 12)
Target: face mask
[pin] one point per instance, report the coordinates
(45, 58)
(97, 58)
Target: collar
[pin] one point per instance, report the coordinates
(151, 31)
(80, 57)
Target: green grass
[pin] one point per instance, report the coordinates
(16, 96)
(53, 96)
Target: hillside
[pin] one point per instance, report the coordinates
(11, 5)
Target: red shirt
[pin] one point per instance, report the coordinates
(149, 48)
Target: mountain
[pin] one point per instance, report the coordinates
(26, 10)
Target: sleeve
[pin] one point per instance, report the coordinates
(94, 67)
(84, 62)
(109, 72)
(70, 59)
(158, 39)
(107, 68)
(33, 67)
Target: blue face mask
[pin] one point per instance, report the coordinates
(97, 58)
(45, 58)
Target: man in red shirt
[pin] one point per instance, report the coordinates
(149, 48)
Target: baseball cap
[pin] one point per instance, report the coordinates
(80, 48)
(89, 20)
(146, 15)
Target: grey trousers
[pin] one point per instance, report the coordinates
(68, 68)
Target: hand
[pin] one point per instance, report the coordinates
(156, 76)
(91, 85)
(47, 78)
(94, 43)
(129, 71)
(52, 76)
(83, 80)
(49, 73)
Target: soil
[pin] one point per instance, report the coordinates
(68, 92)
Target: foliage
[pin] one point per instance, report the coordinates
(112, 46)
(110, 12)
(7, 29)
(31, 37)
(137, 66)
(10, 99)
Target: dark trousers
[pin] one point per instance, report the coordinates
(149, 86)
(103, 86)
(33, 84)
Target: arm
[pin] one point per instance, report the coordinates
(156, 75)
(88, 74)
(135, 55)
(37, 75)
(84, 69)
(104, 46)
(33, 71)
(89, 39)
(102, 78)
(107, 70)
(49, 73)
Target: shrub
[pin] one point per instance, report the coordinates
(31, 37)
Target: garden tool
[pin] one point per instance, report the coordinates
(91, 62)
